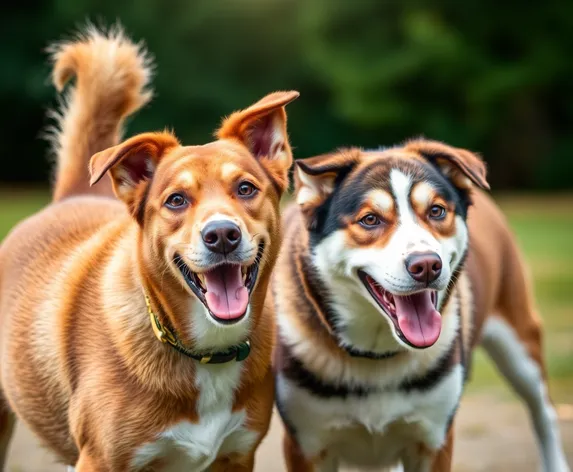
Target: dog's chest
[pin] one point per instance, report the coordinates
(374, 429)
(218, 431)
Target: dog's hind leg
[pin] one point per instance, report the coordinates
(7, 422)
(516, 350)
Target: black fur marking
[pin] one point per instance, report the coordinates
(317, 291)
(296, 372)
(282, 413)
(454, 279)
(301, 303)
(140, 210)
(368, 354)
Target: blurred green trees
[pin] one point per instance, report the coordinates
(495, 77)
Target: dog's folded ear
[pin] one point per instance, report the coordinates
(262, 129)
(131, 162)
(317, 177)
(462, 167)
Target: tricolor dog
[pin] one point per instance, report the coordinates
(133, 330)
(387, 279)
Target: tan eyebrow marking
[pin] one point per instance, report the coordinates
(422, 194)
(381, 200)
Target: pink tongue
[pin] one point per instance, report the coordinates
(419, 321)
(227, 296)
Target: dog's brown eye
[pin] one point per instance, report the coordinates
(437, 212)
(176, 201)
(246, 189)
(370, 220)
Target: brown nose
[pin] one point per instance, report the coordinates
(424, 267)
(222, 237)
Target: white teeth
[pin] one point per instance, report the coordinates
(244, 277)
(389, 300)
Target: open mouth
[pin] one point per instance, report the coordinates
(415, 317)
(225, 289)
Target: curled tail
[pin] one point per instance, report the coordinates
(112, 78)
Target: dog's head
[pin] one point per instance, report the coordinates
(208, 215)
(390, 226)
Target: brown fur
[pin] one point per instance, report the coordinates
(80, 363)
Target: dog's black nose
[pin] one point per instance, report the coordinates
(424, 267)
(221, 236)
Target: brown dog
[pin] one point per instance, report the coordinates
(88, 285)
(386, 281)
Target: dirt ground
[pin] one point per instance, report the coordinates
(492, 435)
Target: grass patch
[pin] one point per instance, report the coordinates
(15, 205)
(544, 230)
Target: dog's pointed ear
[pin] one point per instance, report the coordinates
(131, 162)
(462, 167)
(317, 177)
(262, 129)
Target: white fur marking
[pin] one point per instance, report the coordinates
(194, 446)
(220, 217)
(186, 178)
(209, 334)
(228, 169)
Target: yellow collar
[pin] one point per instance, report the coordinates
(235, 353)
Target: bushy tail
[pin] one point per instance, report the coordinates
(112, 78)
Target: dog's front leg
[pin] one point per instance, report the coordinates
(420, 459)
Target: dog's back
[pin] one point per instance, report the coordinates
(43, 260)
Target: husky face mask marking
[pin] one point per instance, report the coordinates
(389, 228)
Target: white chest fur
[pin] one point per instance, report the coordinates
(194, 446)
(372, 430)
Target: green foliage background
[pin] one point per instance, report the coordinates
(495, 77)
